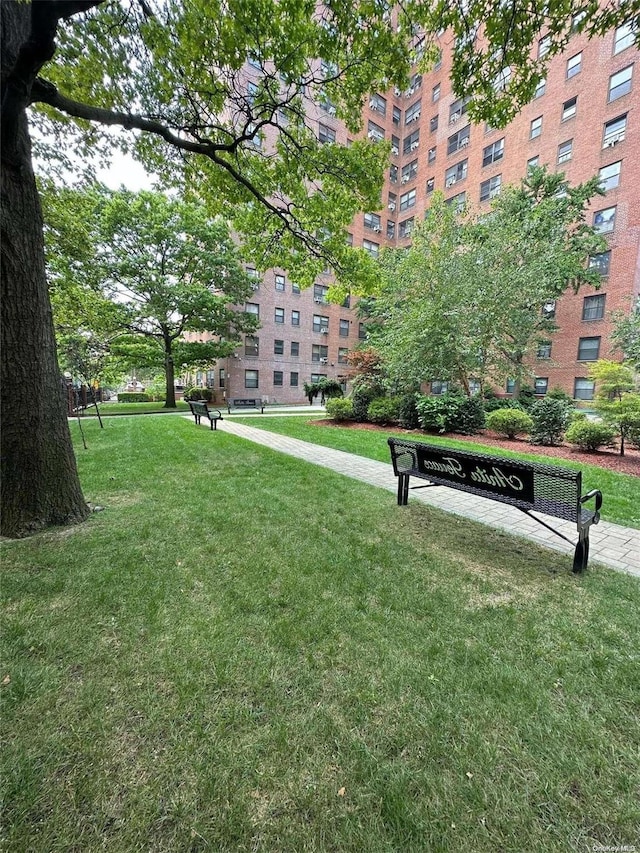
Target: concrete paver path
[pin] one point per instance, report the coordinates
(611, 544)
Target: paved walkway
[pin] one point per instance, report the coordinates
(611, 544)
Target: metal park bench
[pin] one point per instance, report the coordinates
(245, 403)
(528, 486)
(200, 409)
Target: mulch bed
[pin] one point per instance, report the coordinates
(609, 459)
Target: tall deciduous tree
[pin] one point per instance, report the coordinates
(171, 74)
(467, 300)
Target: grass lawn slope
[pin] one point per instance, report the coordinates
(244, 652)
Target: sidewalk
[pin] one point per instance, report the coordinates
(611, 545)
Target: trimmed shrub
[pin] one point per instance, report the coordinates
(363, 394)
(408, 412)
(558, 393)
(526, 397)
(134, 397)
(194, 393)
(509, 422)
(452, 412)
(340, 409)
(590, 435)
(550, 420)
(383, 410)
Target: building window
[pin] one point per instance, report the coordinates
(279, 315)
(620, 83)
(391, 229)
(610, 175)
(431, 154)
(295, 348)
(490, 188)
(493, 153)
(540, 88)
(222, 377)
(583, 389)
(320, 323)
(407, 200)
(457, 201)
(431, 183)
(532, 163)
(565, 151)
(362, 332)
(316, 377)
(541, 385)
(536, 128)
(278, 377)
(378, 104)
(438, 387)
(397, 116)
(412, 113)
(411, 142)
(510, 387)
(588, 349)
(604, 220)
(320, 293)
(278, 347)
(614, 131)
(372, 221)
(342, 355)
(293, 380)
(295, 318)
(374, 131)
(623, 38)
(544, 45)
(569, 108)
(280, 282)
(395, 145)
(371, 247)
(433, 124)
(251, 345)
(344, 329)
(251, 379)
(252, 308)
(574, 65)
(405, 227)
(326, 133)
(295, 288)
(593, 307)
(393, 173)
(392, 201)
(548, 311)
(455, 173)
(254, 275)
(544, 350)
(576, 20)
(601, 263)
(319, 353)
(459, 140)
(409, 171)
(458, 109)
(435, 93)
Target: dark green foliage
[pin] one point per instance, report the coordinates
(550, 420)
(365, 391)
(194, 393)
(340, 409)
(590, 435)
(526, 397)
(408, 412)
(558, 393)
(383, 410)
(509, 422)
(330, 388)
(134, 397)
(452, 412)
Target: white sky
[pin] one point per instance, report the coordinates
(124, 170)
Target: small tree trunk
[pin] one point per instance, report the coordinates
(40, 484)
(170, 395)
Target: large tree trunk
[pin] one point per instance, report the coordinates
(170, 396)
(40, 485)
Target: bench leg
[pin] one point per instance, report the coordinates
(581, 555)
(197, 417)
(403, 489)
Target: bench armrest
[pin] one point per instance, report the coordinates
(597, 494)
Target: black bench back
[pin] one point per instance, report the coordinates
(526, 485)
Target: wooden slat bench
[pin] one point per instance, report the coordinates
(528, 486)
(245, 403)
(200, 409)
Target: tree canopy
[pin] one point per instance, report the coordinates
(472, 296)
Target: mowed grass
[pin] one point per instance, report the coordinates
(621, 492)
(244, 652)
(107, 409)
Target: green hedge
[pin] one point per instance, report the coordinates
(134, 397)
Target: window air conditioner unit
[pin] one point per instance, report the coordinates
(324, 360)
(464, 143)
(331, 111)
(391, 205)
(324, 331)
(317, 300)
(372, 104)
(395, 150)
(405, 180)
(411, 91)
(377, 229)
(454, 118)
(414, 145)
(493, 193)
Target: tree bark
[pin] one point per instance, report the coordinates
(40, 484)
(170, 396)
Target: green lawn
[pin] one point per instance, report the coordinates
(244, 652)
(135, 409)
(621, 492)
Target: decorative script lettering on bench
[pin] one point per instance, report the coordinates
(515, 481)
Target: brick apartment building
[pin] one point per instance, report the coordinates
(584, 120)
